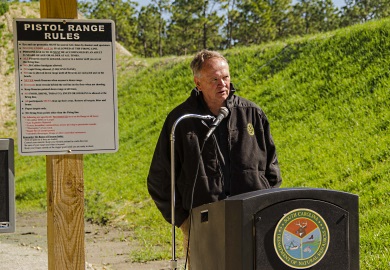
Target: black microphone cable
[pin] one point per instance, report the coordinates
(193, 192)
(191, 203)
(223, 113)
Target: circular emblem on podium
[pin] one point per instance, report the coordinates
(301, 238)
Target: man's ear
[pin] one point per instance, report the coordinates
(197, 83)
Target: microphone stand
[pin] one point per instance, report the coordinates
(204, 117)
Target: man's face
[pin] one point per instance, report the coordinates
(214, 82)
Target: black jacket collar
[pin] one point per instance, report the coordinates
(202, 104)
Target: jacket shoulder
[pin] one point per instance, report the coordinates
(241, 102)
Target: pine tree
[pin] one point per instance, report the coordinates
(261, 20)
(123, 13)
(194, 25)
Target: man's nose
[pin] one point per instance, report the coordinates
(222, 82)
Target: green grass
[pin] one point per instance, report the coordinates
(327, 97)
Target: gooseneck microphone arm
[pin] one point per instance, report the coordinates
(172, 138)
(223, 113)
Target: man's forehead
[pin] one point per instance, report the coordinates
(214, 64)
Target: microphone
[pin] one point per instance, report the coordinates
(223, 112)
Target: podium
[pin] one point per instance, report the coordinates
(283, 229)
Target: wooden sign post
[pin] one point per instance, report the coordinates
(65, 184)
(63, 101)
(65, 212)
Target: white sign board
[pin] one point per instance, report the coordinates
(66, 86)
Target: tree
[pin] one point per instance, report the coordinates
(194, 25)
(4, 7)
(254, 23)
(151, 30)
(261, 20)
(148, 30)
(185, 26)
(327, 16)
(313, 16)
(280, 11)
(163, 6)
(349, 14)
(123, 13)
(232, 16)
(372, 9)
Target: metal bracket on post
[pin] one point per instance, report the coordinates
(204, 117)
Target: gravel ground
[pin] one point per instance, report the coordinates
(19, 257)
(106, 248)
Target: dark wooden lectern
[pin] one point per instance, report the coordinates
(279, 229)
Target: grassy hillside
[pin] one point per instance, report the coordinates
(327, 98)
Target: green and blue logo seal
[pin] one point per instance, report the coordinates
(301, 238)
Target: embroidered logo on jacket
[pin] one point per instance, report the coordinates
(250, 129)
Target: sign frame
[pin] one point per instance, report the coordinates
(66, 86)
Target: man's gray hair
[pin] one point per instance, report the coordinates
(197, 63)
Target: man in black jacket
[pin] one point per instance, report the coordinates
(239, 156)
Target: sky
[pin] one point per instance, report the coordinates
(339, 3)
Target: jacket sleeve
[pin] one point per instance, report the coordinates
(272, 172)
(159, 180)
